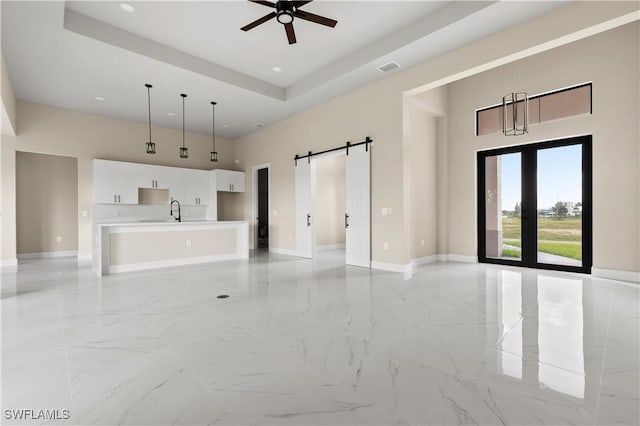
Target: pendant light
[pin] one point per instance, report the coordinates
(151, 147)
(515, 114)
(184, 151)
(214, 154)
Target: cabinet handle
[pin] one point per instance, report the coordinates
(115, 198)
(346, 220)
(118, 198)
(308, 219)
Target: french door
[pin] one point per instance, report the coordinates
(534, 205)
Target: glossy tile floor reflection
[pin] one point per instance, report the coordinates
(306, 343)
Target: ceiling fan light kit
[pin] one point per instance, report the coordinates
(285, 13)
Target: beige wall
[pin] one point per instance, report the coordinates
(611, 61)
(46, 203)
(229, 206)
(8, 101)
(56, 131)
(377, 111)
(330, 200)
(423, 117)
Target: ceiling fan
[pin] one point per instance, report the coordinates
(285, 11)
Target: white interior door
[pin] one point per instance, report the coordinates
(358, 206)
(304, 224)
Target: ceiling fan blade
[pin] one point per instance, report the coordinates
(298, 4)
(257, 22)
(291, 34)
(264, 3)
(315, 18)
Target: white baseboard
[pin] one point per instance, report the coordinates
(614, 274)
(331, 247)
(391, 267)
(156, 264)
(47, 254)
(9, 265)
(84, 259)
(424, 260)
(458, 258)
(287, 252)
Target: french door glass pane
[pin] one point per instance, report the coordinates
(559, 217)
(502, 203)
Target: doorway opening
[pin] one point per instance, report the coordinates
(330, 207)
(535, 205)
(46, 206)
(261, 206)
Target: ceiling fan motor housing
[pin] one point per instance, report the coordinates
(285, 11)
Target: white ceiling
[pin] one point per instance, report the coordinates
(67, 57)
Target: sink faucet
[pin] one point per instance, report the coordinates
(178, 218)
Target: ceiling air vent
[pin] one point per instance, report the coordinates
(390, 66)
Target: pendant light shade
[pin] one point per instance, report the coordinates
(184, 151)
(151, 147)
(214, 154)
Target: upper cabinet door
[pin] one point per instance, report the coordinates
(115, 182)
(196, 187)
(127, 178)
(104, 183)
(230, 181)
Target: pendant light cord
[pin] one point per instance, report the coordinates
(183, 96)
(149, 101)
(213, 125)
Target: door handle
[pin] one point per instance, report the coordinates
(115, 198)
(118, 198)
(308, 219)
(346, 220)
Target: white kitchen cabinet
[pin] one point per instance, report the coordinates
(230, 181)
(196, 187)
(150, 176)
(115, 182)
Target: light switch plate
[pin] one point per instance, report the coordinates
(58, 239)
(386, 245)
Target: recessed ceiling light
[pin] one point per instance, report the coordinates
(259, 125)
(171, 114)
(127, 7)
(99, 98)
(276, 69)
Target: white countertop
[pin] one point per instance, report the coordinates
(169, 223)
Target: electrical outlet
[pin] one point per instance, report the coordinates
(290, 237)
(85, 213)
(58, 239)
(384, 211)
(386, 245)
(188, 243)
(236, 161)
(422, 243)
(115, 213)
(275, 212)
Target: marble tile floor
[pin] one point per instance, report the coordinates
(305, 342)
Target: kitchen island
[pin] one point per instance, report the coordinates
(133, 246)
